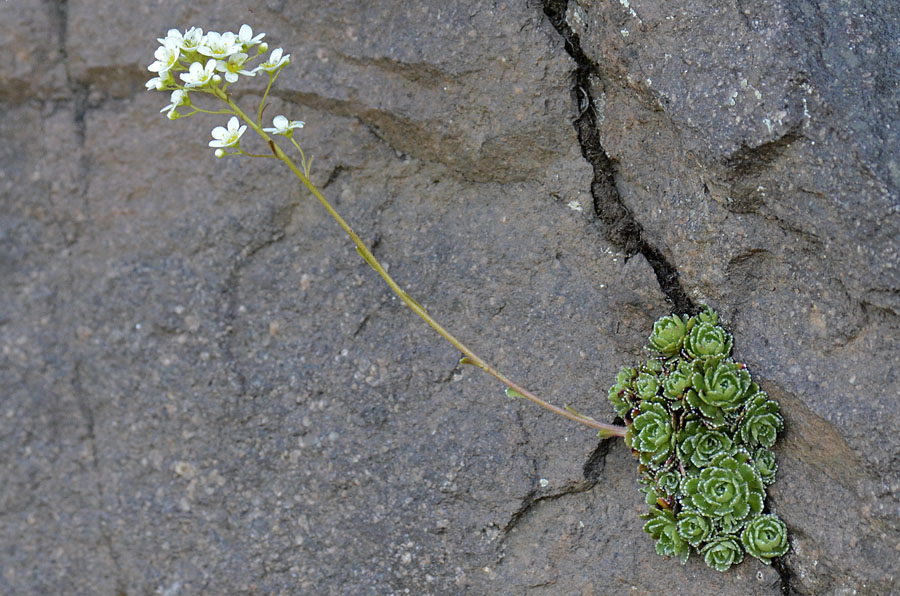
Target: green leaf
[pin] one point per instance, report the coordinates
(510, 392)
(728, 490)
(720, 391)
(699, 445)
(764, 460)
(662, 527)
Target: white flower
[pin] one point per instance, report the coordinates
(173, 34)
(164, 81)
(283, 126)
(192, 39)
(233, 67)
(219, 45)
(189, 42)
(227, 137)
(166, 56)
(275, 61)
(245, 35)
(179, 98)
(199, 75)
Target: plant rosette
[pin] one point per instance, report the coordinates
(702, 432)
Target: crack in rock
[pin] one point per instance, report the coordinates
(280, 217)
(786, 577)
(531, 499)
(591, 471)
(621, 226)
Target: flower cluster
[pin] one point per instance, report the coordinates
(197, 58)
(702, 431)
(196, 62)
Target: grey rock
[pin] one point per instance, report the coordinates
(756, 143)
(206, 391)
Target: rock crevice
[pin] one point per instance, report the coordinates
(621, 226)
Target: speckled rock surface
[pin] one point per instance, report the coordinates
(206, 391)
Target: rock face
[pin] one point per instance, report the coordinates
(206, 391)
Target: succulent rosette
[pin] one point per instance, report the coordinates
(668, 482)
(679, 380)
(621, 395)
(761, 422)
(693, 418)
(646, 386)
(707, 340)
(728, 490)
(719, 391)
(699, 445)
(764, 460)
(694, 527)
(765, 537)
(652, 435)
(662, 527)
(668, 335)
(722, 552)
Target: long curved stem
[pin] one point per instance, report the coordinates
(514, 389)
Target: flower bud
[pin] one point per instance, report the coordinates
(220, 153)
(262, 48)
(217, 79)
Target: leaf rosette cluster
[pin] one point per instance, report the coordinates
(702, 431)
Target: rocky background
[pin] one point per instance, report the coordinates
(206, 391)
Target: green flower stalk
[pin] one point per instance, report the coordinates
(765, 537)
(195, 64)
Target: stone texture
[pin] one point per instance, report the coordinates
(207, 391)
(734, 137)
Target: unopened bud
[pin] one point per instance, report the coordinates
(220, 153)
(217, 79)
(262, 48)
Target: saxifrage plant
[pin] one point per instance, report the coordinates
(700, 428)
